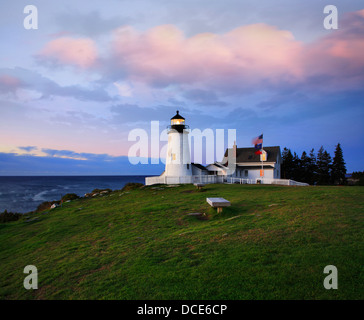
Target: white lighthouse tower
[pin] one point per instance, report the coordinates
(178, 161)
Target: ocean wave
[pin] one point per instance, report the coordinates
(70, 186)
(39, 196)
(31, 191)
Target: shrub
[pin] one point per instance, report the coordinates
(132, 186)
(46, 205)
(100, 190)
(70, 196)
(360, 182)
(9, 216)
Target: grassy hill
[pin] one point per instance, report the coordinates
(272, 243)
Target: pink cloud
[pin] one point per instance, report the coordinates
(250, 53)
(245, 58)
(77, 52)
(9, 83)
(339, 55)
(249, 56)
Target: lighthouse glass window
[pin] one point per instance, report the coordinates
(177, 121)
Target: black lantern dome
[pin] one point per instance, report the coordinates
(178, 123)
(177, 119)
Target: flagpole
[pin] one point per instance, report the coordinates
(262, 158)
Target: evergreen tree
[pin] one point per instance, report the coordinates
(338, 167)
(323, 166)
(312, 168)
(287, 164)
(304, 168)
(296, 168)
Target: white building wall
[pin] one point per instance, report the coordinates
(198, 172)
(255, 173)
(178, 161)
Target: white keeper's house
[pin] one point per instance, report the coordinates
(239, 165)
(249, 164)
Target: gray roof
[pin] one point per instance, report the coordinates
(248, 154)
(217, 164)
(265, 167)
(200, 166)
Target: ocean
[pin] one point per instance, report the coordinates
(24, 194)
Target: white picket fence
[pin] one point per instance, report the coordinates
(286, 182)
(206, 179)
(187, 179)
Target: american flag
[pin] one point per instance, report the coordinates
(258, 143)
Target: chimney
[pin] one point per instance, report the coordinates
(234, 150)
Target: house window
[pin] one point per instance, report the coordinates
(188, 166)
(246, 173)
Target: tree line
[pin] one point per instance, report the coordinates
(320, 169)
(358, 178)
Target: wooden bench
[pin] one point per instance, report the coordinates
(218, 203)
(199, 185)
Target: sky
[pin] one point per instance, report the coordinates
(73, 90)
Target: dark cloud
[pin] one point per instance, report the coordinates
(280, 100)
(176, 102)
(204, 98)
(13, 164)
(28, 149)
(32, 80)
(77, 119)
(89, 24)
(76, 155)
(131, 113)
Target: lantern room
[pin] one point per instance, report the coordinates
(178, 123)
(177, 119)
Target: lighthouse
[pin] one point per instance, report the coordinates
(178, 160)
(239, 165)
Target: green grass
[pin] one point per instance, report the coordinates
(272, 243)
